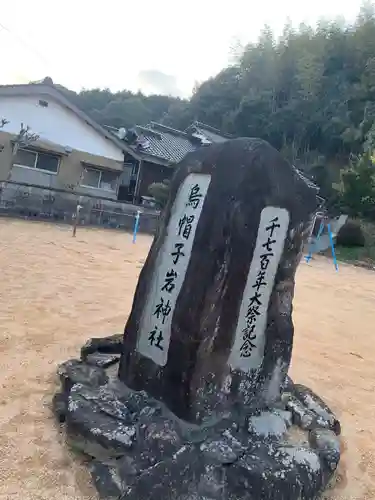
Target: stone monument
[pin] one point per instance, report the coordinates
(202, 406)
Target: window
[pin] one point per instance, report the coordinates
(99, 179)
(46, 162)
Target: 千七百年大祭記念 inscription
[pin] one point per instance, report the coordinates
(155, 324)
(248, 348)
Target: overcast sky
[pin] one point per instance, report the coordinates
(152, 45)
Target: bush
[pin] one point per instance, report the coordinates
(160, 192)
(351, 235)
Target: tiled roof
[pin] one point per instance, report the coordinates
(210, 133)
(171, 145)
(165, 142)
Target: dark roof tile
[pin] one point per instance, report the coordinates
(210, 133)
(165, 142)
(171, 145)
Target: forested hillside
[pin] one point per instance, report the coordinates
(310, 93)
(124, 108)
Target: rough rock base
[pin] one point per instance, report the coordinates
(140, 450)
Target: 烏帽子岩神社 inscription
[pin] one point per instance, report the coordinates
(155, 325)
(248, 347)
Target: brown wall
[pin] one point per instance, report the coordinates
(151, 172)
(70, 168)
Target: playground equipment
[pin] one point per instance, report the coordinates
(323, 235)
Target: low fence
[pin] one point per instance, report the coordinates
(35, 202)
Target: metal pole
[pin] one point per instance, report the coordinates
(76, 219)
(332, 247)
(136, 225)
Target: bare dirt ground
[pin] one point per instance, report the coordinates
(56, 291)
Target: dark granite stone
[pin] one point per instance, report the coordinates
(221, 450)
(269, 424)
(210, 429)
(138, 402)
(130, 466)
(98, 423)
(285, 415)
(276, 473)
(163, 433)
(76, 372)
(307, 418)
(148, 413)
(288, 384)
(301, 416)
(327, 443)
(142, 450)
(106, 480)
(105, 345)
(102, 360)
(316, 405)
(172, 479)
(246, 176)
(212, 483)
(239, 441)
(161, 439)
(60, 406)
(133, 464)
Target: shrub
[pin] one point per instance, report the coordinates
(160, 192)
(351, 235)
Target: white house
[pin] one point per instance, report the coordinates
(72, 149)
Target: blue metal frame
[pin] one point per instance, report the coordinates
(308, 257)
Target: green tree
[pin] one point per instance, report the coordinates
(358, 187)
(123, 108)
